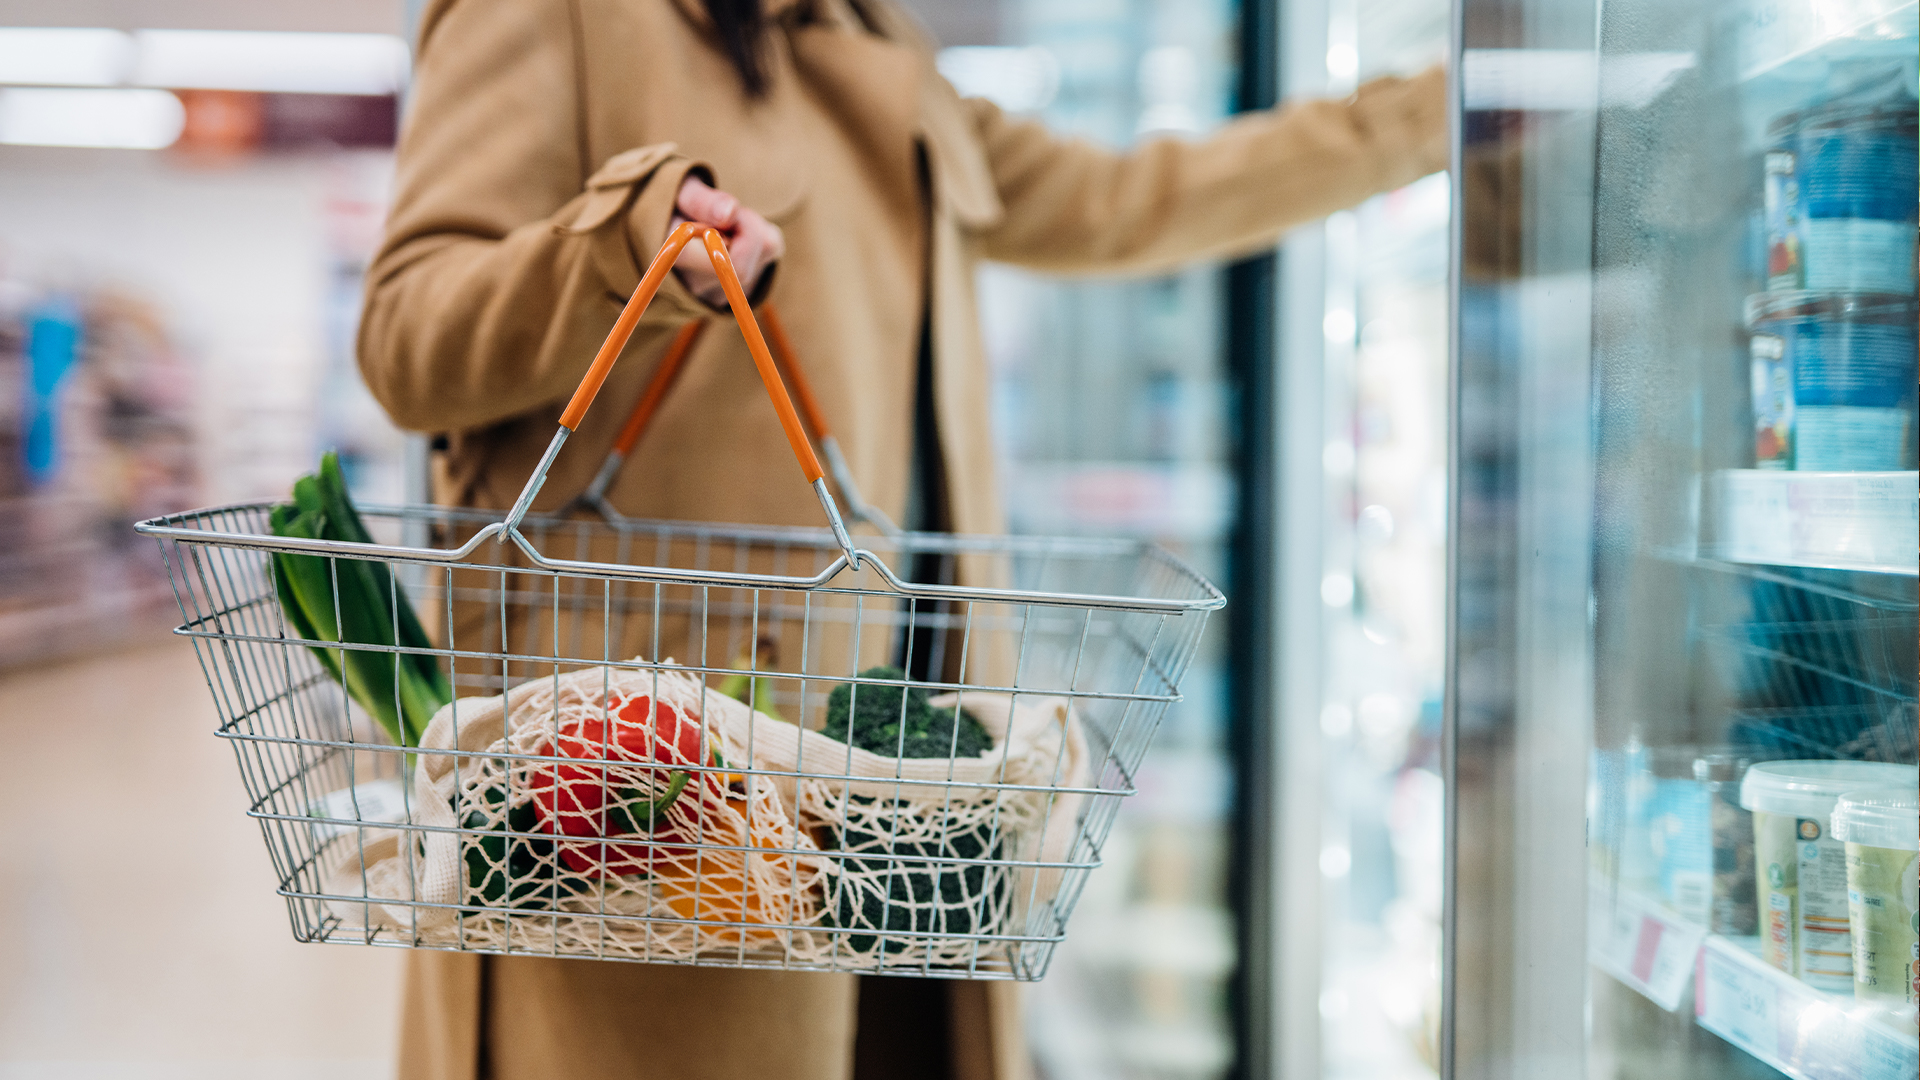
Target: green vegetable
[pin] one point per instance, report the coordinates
(758, 696)
(630, 808)
(918, 896)
(898, 721)
(906, 893)
(515, 870)
(401, 691)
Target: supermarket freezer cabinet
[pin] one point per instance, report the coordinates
(1681, 722)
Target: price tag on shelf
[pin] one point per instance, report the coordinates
(1790, 1025)
(1885, 1056)
(1867, 521)
(1642, 944)
(1735, 1005)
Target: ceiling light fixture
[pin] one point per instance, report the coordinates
(118, 118)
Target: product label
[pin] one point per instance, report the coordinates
(1681, 835)
(1738, 1004)
(1777, 946)
(1825, 946)
(1846, 438)
(1855, 171)
(1857, 254)
(1772, 402)
(1840, 362)
(1784, 269)
(1883, 900)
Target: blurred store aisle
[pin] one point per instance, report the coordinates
(139, 936)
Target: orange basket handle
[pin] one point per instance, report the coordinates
(787, 360)
(623, 328)
(784, 354)
(650, 283)
(663, 379)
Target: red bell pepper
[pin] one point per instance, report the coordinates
(607, 796)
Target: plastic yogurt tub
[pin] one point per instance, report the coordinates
(1855, 166)
(1801, 870)
(1839, 198)
(1833, 380)
(1881, 829)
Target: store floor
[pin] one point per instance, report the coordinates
(139, 933)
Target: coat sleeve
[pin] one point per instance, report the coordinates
(1070, 206)
(508, 253)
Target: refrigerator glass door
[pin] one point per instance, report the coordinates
(1112, 402)
(1681, 725)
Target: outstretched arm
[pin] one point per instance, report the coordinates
(1074, 207)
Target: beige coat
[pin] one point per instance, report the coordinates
(537, 172)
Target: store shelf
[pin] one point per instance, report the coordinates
(1773, 35)
(1762, 1010)
(1845, 521)
(1791, 1026)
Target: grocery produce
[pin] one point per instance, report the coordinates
(908, 880)
(515, 871)
(756, 691)
(606, 795)
(898, 721)
(355, 602)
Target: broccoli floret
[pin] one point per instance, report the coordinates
(878, 713)
(916, 896)
(946, 898)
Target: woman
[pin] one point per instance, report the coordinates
(551, 146)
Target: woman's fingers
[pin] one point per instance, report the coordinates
(753, 242)
(698, 202)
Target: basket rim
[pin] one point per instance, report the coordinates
(1207, 596)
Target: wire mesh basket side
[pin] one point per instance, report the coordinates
(327, 788)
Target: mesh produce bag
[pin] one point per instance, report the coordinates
(935, 855)
(685, 868)
(926, 855)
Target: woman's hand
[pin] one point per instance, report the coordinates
(754, 243)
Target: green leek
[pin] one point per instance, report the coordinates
(355, 602)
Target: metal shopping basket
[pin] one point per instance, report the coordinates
(697, 744)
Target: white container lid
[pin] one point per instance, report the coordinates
(1882, 818)
(1810, 788)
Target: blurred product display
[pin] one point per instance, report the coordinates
(175, 329)
(1803, 876)
(96, 433)
(1832, 391)
(1687, 543)
(1596, 707)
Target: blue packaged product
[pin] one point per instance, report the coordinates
(1856, 169)
(1850, 360)
(1680, 823)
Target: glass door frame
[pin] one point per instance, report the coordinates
(1518, 704)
